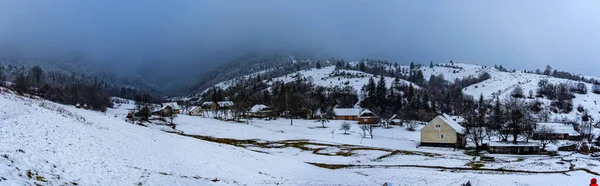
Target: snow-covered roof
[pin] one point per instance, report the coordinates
(258, 108)
(459, 129)
(225, 103)
(205, 104)
(346, 111)
(560, 128)
(394, 117)
(510, 144)
(173, 105)
(193, 108)
(458, 119)
(367, 113)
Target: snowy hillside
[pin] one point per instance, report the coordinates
(457, 71)
(501, 84)
(326, 77)
(47, 143)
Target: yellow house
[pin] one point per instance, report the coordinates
(443, 131)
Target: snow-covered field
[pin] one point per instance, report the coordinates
(51, 144)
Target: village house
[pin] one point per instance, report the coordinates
(175, 108)
(260, 111)
(195, 111)
(561, 131)
(225, 104)
(367, 117)
(512, 148)
(221, 105)
(346, 113)
(207, 105)
(443, 131)
(395, 120)
(164, 111)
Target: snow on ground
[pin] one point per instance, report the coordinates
(457, 71)
(397, 139)
(323, 77)
(52, 144)
(501, 84)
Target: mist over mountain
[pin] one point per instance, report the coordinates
(170, 44)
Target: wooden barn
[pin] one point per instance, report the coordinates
(367, 117)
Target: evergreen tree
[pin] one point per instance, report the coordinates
(362, 67)
(412, 65)
(380, 91)
(431, 64)
(36, 76)
(318, 65)
(371, 87)
(419, 79)
(2, 75)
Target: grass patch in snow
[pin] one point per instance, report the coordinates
(475, 165)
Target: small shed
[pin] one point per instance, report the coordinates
(367, 117)
(395, 120)
(195, 111)
(514, 148)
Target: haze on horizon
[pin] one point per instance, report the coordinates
(171, 38)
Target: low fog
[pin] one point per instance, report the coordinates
(186, 37)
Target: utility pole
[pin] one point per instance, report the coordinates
(287, 111)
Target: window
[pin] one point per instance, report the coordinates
(442, 136)
(437, 127)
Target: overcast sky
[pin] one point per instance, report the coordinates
(518, 34)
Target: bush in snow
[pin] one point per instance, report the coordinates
(596, 88)
(345, 127)
(517, 92)
(411, 126)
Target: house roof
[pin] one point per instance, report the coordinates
(258, 108)
(346, 111)
(509, 144)
(367, 113)
(193, 108)
(458, 119)
(173, 105)
(225, 103)
(459, 129)
(560, 128)
(208, 103)
(394, 117)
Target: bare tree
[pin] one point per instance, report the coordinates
(345, 127)
(475, 131)
(519, 118)
(323, 121)
(367, 128)
(546, 135)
